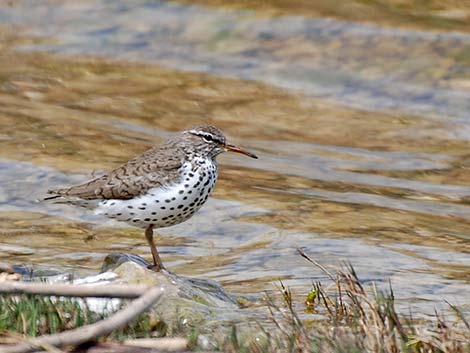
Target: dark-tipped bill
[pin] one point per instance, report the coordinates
(236, 149)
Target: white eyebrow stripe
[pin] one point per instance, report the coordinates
(202, 134)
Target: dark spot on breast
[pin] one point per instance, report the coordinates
(118, 214)
(132, 214)
(130, 206)
(167, 200)
(181, 192)
(172, 208)
(185, 209)
(163, 207)
(164, 218)
(141, 208)
(157, 201)
(173, 198)
(186, 185)
(144, 204)
(147, 219)
(112, 203)
(185, 198)
(136, 220)
(190, 192)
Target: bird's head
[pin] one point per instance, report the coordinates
(209, 141)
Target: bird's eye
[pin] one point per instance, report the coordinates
(207, 138)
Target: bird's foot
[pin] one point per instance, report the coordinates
(156, 267)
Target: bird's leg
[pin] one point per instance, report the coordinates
(157, 262)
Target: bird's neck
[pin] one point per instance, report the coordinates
(203, 161)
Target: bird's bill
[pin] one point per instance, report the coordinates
(236, 149)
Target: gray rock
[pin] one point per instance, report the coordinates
(186, 301)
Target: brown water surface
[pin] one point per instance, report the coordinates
(384, 186)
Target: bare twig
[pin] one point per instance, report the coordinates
(70, 290)
(87, 333)
(121, 348)
(166, 344)
(16, 338)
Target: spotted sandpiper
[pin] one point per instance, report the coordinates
(162, 187)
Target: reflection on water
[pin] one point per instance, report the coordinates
(359, 65)
(386, 191)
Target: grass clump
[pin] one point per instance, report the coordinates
(352, 320)
(36, 315)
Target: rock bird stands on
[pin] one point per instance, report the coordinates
(162, 187)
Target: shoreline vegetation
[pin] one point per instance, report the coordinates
(340, 315)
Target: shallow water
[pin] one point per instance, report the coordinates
(362, 132)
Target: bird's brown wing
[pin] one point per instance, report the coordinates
(156, 167)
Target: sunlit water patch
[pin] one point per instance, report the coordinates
(358, 65)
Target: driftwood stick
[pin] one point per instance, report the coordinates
(120, 348)
(87, 333)
(71, 290)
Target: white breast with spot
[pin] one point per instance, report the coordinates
(166, 206)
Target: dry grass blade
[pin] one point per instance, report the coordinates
(305, 256)
(459, 314)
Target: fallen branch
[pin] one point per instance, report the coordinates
(71, 290)
(120, 348)
(87, 333)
